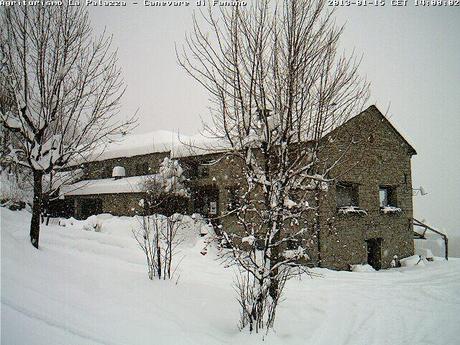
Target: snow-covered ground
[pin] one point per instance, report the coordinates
(85, 287)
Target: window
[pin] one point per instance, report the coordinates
(206, 201)
(387, 196)
(292, 244)
(190, 168)
(202, 171)
(347, 194)
(196, 168)
(142, 169)
(213, 207)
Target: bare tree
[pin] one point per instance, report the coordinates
(64, 85)
(157, 234)
(158, 238)
(277, 85)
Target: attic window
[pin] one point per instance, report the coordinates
(202, 170)
(387, 196)
(347, 194)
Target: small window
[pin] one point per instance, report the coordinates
(387, 196)
(202, 170)
(142, 169)
(347, 194)
(190, 168)
(213, 207)
(292, 244)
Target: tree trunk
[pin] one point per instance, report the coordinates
(318, 227)
(36, 209)
(275, 257)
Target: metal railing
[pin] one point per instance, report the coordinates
(417, 223)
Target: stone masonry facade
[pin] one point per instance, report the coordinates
(373, 157)
(380, 158)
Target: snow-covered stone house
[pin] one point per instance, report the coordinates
(365, 217)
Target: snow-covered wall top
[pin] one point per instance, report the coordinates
(132, 184)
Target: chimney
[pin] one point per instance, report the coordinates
(118, 172)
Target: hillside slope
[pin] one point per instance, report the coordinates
(85, 287)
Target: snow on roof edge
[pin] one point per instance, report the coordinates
(132, 184)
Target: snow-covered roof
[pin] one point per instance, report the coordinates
(155, 142)
(132, 184)
(179, 145)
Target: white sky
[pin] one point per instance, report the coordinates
(411, 56)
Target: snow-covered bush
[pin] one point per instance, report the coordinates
(159, 237)
(156, 237)
(169, 180)
(168, 183)
(157, 234)
(92, 224)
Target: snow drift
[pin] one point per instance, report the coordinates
(87, 287)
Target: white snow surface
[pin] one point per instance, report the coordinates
(426, 253)
(118, 171)
(362, 268)
(179, 145)
(351, 209)
(414, 260)
(86, 287)
(390, 209)
(133, 184)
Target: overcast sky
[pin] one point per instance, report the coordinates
(411, 57)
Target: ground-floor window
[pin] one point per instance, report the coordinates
(206, 201)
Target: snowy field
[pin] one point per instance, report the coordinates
(85, 287)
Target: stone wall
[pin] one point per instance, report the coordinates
(126, 204)
(103, 169)
(378, 157)
(370, 153)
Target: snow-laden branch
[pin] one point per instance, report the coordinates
(60, 89)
